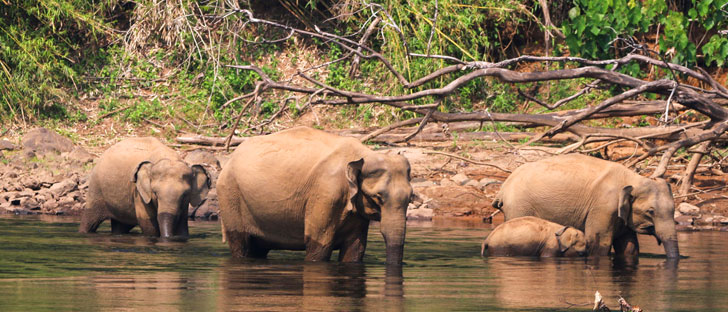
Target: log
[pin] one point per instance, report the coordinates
(209, 141)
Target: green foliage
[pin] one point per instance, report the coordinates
(41, 44)
(593, 26)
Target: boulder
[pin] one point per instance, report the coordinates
(50, 205)
(42, 140)
(688, 209)
(209, 210)
(29, 203)
(460, 179)
(202, 157)
(62, 188)
(6, 145)
(80, 155)
(30, 182)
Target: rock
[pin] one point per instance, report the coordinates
(685, 220)
(42, 140)
(30, 182)
(421, 214)
(720, 220)
(473, 183)
(66, 202)
(80, 155)
(484, 182)
(62, 188)
(6, 145)
(447, 182)
(209, 210)
(50, 205)
(688, 209)
(460, 179)
(223, 159)
(462, 212)
(423, 183)
(200, 157)
(29, 203)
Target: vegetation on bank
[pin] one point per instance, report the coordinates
(75, 61)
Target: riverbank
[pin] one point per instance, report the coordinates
(43, 172)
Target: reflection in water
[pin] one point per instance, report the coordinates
(47, 266)
(301, 286)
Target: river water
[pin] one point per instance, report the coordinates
(46, 266)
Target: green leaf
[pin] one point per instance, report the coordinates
(595, 30)
(704, 6)
(574, 12)
(692, 13)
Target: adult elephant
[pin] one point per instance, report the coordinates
(140, 181)
(305, 189)
(607, 201)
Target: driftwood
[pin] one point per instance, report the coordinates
(624, 306)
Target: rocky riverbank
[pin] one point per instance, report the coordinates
(45, 173)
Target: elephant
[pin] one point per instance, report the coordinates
(140, 181)
(305, 189)
(606, 200)
(535, 237)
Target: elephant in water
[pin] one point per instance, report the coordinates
(607, 201)
(531, 236)
(140, 181)
(305, 189)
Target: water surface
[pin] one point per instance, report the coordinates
(46, 266)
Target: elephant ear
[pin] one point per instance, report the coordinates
(563, 245)
(353, 170)
(625, 203)
(200, 187)
(142, 179)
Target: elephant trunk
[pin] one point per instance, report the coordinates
(393, 228)
(666, 233)
(166, 224)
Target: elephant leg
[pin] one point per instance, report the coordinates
(120, 228)
(94, 214)
(598, 243)
(627, 245)
(352, 250)
(599, 234)
(149, 227)
(242, 245)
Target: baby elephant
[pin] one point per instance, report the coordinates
(531, 236)
(140, 181)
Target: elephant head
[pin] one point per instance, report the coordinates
(380, 190)
(572, 242)
(169, 187)
(648, 208)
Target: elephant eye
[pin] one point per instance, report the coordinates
(651, 212)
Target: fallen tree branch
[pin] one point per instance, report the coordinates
(468, 160)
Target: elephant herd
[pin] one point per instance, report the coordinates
(305, 189)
